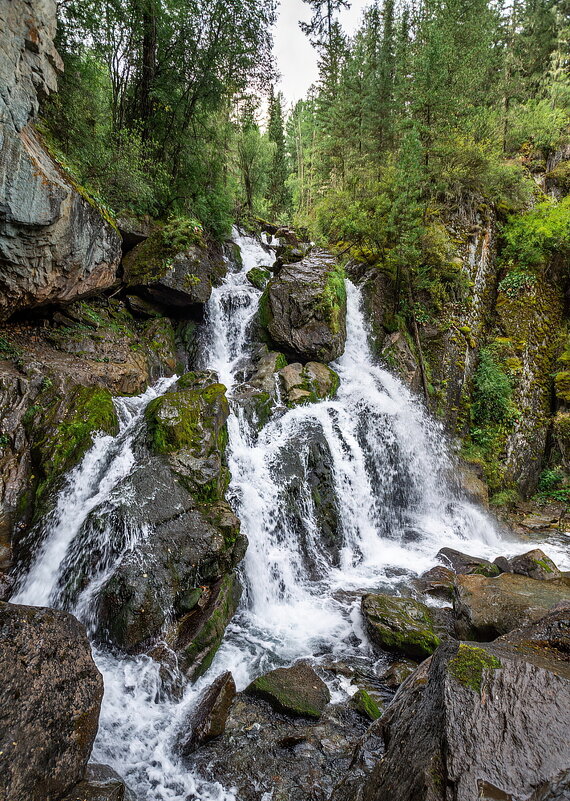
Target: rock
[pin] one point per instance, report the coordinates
(472, 482)
(465, 715)
(296, 691)
(438, 582)
(134, 229)
(308, 384)
(265, 753)
(486, 608)
(303, 309)
(290, 253)
(51, 694)
(366, 705)
(208, 719)
(164, 273)
(402, 625)
(55, 244)
(398, 672)
(398, 355)
(264, 374)
(535, 564)
(101, 783)
(503, 564)
(258, 277)
(536, 522)
(463, 564)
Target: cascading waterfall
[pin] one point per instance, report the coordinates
(389, 475)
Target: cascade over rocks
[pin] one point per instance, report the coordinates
(55, 244)
(51, 693)
(303, 309)
(470, 723)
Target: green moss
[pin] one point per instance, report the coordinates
(258, 277)
(332, 301)
(401, 624)
(468, 665)
(264, 310)
(177, 420)
(366, 705)
(280, 362)
(152, 259)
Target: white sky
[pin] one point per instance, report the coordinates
(296, 59)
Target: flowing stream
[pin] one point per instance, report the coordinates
(394, 506)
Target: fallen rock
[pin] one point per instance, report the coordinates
(402, 625)
(101, 783)
(307, 384)
(470, 724)
(208, 719)
(398, 672)
(50, 696)
(535, 564)
(486, 608)
(296, 691)
(263, 751)
(303, 309)
(463, 564)
(438, 582)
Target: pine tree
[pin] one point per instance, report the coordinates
(278, 195)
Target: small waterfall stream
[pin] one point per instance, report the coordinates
(388, 472)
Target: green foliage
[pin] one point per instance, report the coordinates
(539, 123)
(492, 394)
(517, 282)
(532, 238)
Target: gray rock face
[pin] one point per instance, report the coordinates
(54, 244)
(101, 783)
(303, 309)
(464, 564)
(471, 724)
(50, 697)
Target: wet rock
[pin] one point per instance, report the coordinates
(296, 691)
(51, 693)
(398, 355)
(444, 735)
(263, 751)
(463, 564)
(472, 482)
(101, 783)
(398, 672)
(402, 625)
(438, 582)
(208, 719)
(308, 384)
(366, 704)
(503, 564)
(535, 564)
(303, 309)
(165, 273)
(486, 608)
(258, 277)
(263, 376)
(291, 252)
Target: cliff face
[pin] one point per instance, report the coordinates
(54, 244)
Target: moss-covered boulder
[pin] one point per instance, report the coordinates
(535, 564)
(174, 267)
(296, 691)
(303, 309)
(364, 703)
(464, 564)
(188, 426)
(258, 277)
(308, 384)
(402, 625)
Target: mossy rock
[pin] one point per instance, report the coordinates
(296, 691)
(401, 625)
(363, 703)
(536, 565)
(309, 383)
(470, 664)
(258, 277)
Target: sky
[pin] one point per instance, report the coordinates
(296, 59)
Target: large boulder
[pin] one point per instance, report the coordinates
(55, 243)
(535, 564)
(303, 309)
(402, 625)
(485, 608)
(50, 698)
(479, 721)
(307, 384)
(464, 564)
(208, 718)
(171, 269)
(295, 691)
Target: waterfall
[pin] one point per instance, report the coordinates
(387, 469)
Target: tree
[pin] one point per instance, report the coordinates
(278, 195)
(320, 28)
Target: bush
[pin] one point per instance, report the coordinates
(531, 238)
(537, 122)
(493, 403)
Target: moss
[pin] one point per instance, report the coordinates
(401, 624)
(489, 571)
(177, 420)
(468, 666)
(280, 362)
(366, 705)
(264, 310)
(258, 277)
(152, 259)
(332, 300)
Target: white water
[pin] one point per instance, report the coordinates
(396, 509)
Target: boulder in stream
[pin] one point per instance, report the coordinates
(50, 696)
(295, 691)
(309, 383)
(208, 719)
(535, 564)
(402, 625)
(464, 564)
(101, 783)
(303, 309)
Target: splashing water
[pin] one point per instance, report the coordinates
(389, 475)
